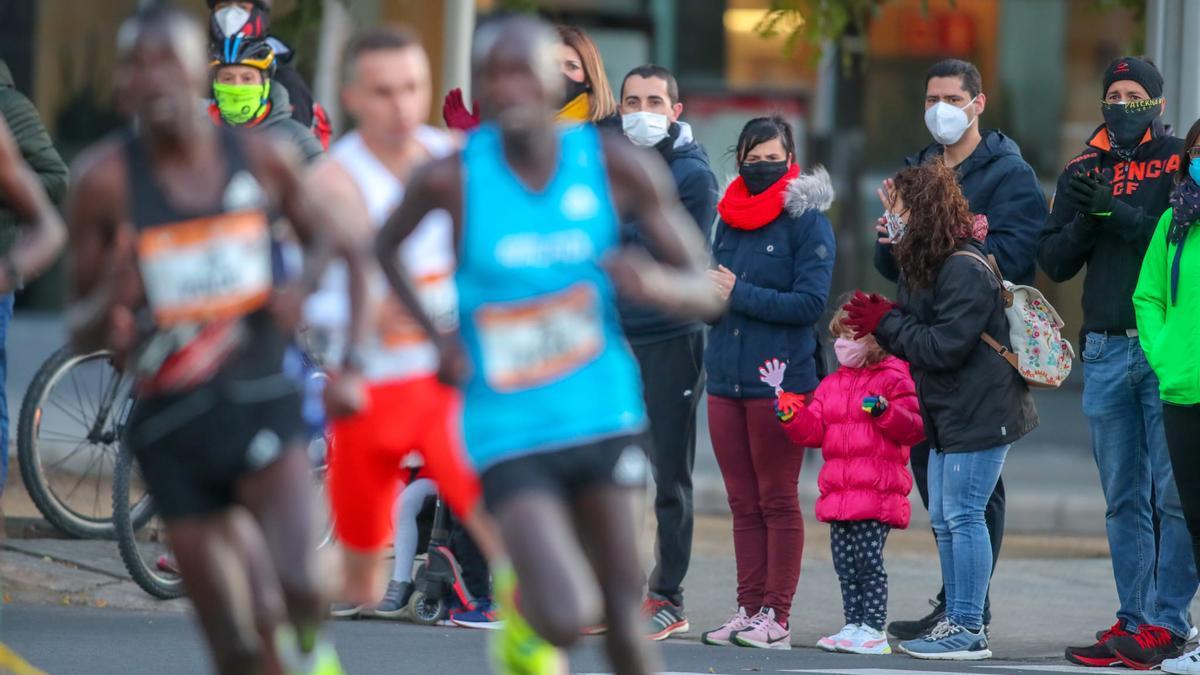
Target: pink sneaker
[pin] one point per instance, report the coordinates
(720, 637)
(764, 632)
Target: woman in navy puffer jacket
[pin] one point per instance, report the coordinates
(775, 251)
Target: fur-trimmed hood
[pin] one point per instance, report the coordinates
(808, 191)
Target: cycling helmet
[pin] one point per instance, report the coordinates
(238, 51)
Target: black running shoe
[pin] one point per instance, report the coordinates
(1100, 654)
(1148, 648)
(911, 630)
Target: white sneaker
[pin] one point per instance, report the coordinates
(830, 643)
(866, 640)
(1188, 664)
(1193, 632)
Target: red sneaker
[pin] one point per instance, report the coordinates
(1099, 655)
(1149, 648)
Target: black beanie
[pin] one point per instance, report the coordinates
(1136, 69)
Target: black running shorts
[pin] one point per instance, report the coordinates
(620, 461)
(192, 447)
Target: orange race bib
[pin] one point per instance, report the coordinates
(207, 269)
(533, 343)
(398, 329)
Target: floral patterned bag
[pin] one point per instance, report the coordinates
(1040, 353)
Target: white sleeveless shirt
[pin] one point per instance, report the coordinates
(396, 347)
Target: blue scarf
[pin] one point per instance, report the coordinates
(1185, 204)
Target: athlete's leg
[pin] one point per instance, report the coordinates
(558, 594)
(281, 498)
(608, 527)
(270, 610)
(216, 578)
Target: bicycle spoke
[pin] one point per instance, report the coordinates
(68, 413)
(81, 478)
(74, 375)
(60, 436)
(74, 451)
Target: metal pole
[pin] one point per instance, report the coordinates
(1187, 55)
(336, 26)
(459, 19)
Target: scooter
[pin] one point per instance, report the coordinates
(439, 578)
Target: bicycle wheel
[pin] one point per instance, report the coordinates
(72, 417)
(144, 551)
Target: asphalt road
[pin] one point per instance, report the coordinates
(67, 640)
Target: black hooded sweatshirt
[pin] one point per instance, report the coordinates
(1111, 246)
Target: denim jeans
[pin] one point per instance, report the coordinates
(6, 313)
(1155, 580)
(960, 485)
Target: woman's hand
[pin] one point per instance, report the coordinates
(887, 196)
(864, 312)
(724, 280)
(455, 113)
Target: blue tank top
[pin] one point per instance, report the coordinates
(550, 365)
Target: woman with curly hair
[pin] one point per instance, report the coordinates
(974, 404)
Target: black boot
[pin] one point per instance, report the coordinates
(911, 630)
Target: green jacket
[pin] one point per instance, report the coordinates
(1170, 332)
(26, 126)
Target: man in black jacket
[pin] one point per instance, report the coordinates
(1107, 204)
(1005, 195)
(670, 352)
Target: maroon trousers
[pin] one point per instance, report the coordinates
(761, 469)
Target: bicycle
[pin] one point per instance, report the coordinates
(68, 431)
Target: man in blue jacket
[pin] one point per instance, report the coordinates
(1005, 195)
(671, 352)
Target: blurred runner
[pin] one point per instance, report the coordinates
(172, 271)
(536, 208)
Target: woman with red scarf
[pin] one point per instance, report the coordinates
(774, 250)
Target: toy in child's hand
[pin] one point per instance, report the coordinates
(874, 405)
(787, 405)
(772, 373)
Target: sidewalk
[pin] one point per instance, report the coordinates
(1048, 591)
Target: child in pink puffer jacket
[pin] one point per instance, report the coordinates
(865, 418)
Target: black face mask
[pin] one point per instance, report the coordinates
(573, 89)
(1127, 123)
(761, 175)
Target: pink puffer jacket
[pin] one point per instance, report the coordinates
(865, 476)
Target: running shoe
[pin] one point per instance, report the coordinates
(665, 617)
(1100, 654)
(949, 642)
(395, 601)
(721, 636)
(764, 632)
(516, 649)
(830, 642)
(482, 615)
(911, 630)
(1188, 664)
(866, 640)
(1148, 648)
(345, 610)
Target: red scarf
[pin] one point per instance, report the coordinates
(744, 211)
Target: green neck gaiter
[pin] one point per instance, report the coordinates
(241, 103)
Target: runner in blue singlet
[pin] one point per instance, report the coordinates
(553, 411)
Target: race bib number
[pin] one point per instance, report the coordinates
(208, 269)
(535, 343)
(438, 295)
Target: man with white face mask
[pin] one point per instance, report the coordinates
(669, 351)
(1010, 209)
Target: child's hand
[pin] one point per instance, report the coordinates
(875, 405)
(787, 405)
(772, 373)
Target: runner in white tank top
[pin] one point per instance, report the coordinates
(403, 407)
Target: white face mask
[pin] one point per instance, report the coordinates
(948, 123)
(645, 128)
(231, 19)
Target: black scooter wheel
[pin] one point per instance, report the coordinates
(425, 610)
